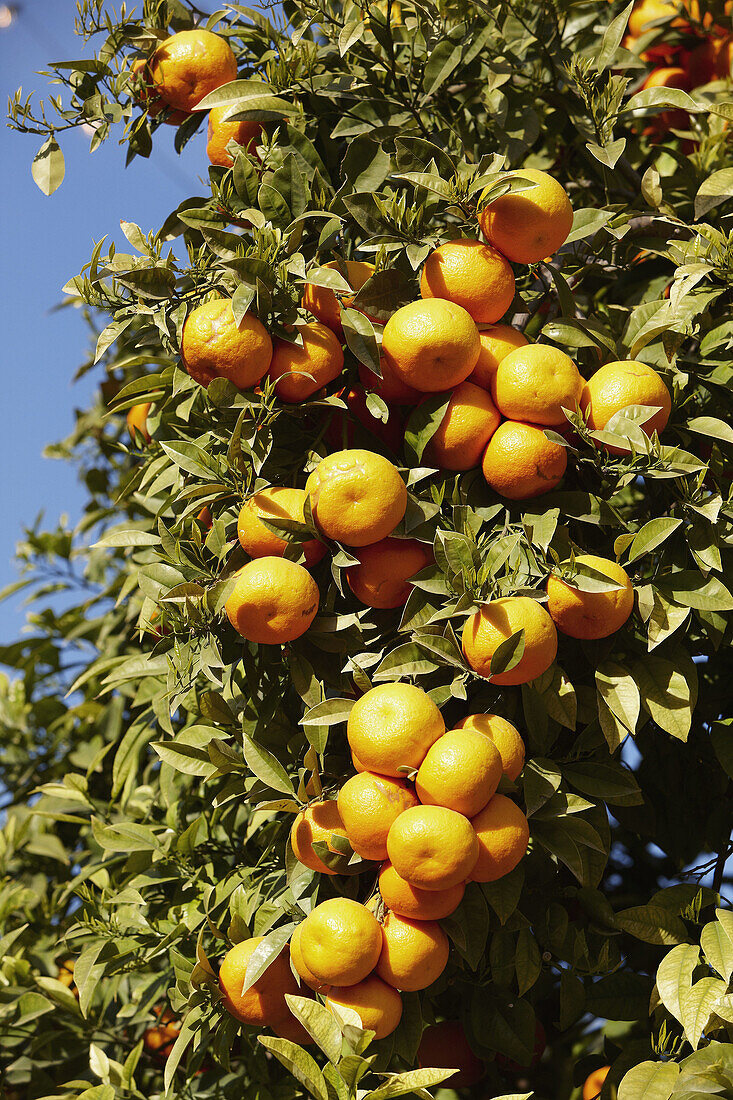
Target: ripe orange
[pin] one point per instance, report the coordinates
(414, 953)
(410, 901)
(340, 942)
(189, 65)
(535, 384)
(431, 345)
(504, 735)
(594, 1083)
(214, 346)
(496, 343)
(432, 847)
(591, 614)
(358, 766)
(503, 834)
(323, 303)
(314, 825)
(468, 424)
(471, 274)
(520, 462)
(299, 372)
(368, 805)
(389, 387)
(222, 130)
(393, 725)
(445, 1046)
(137, 422)
(296, 956)
(147, 96)
(485, 631)
(529, 225)
(205, 518)
(381, 579)
(66, 976)
(274, 503)
(357, 497)
(647, 12)
(264, 1002)
(274, 601)
(618, 384)
(159, 1038)
(378, 1005)
(461, 771)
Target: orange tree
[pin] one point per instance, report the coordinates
(415, 420)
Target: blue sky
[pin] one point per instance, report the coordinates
(45, 241)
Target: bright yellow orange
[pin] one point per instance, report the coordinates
(378, 1005)
(358, 766)
(137, 422)
(66, 975)
(389, 387)
(461, 771)
(214, 346)
(431, 345)
(468, 424)
(368, 805)
(503, 835)
(274, 503)
(296, 956)
(189, 65)
(535, 383)
(471, 274)
(264, 1002)
(622, 383)
(410, 901)
(594, 1083)
(147, 96)
(393, 726)
(274, 601)
(414, 953)
(382, 577)
(340, 942)
(520, 462)
(445, 1046)
(591, 614)
(323, 303)
(528, 225)
(496, 343)
(357, 497)
(485, 631)
(649, 11)
(300, 371)
(315, 825)
(504, 735)
(222, 130)
(432, 847)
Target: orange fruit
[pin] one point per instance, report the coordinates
(222, 130)
(594, 1083)
(647, 12)
(445, 1046)
(205, 517)
(300, 371)
(358, 766)
(274, 601)
(471, 274)
(528, 225)
(160, 1038)
(520, 462)
(66, 976)
(432, 847)
(504, 735)
(410, 901)
(392, 726)
(147, 96)
(296, 957)
(314, 825)
(382, 577)
(535, 384)
(189, 65)
(323, 303)
(264, 1002)
(591, 614)
(618, 384)
(497, 620)
(431, 345)
(389, 387)
(378, 1005)
(340, 942)
(368, 805)
(214, 346)
(468, 424)
(357, 497)
(414, 953)
(496, 343)
(503, 834)
(274, 503)
(137, 422)
(461, 771)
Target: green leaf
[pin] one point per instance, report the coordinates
(652, 924)
(328, 713)
(619, 701)
(612, 39)
(666, 695)
(302, 1066)
(401, 1084)
(508, 653)
(48, 168)
(265, 954)
(649, 1081)
(361, 337)
(651, 535)
(717, 948)
(698, 1005)
(266, 766)
(527, 961)
(320, 1025)
(424, 422)
(674, 976)
(710, 426)
(715, 189)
